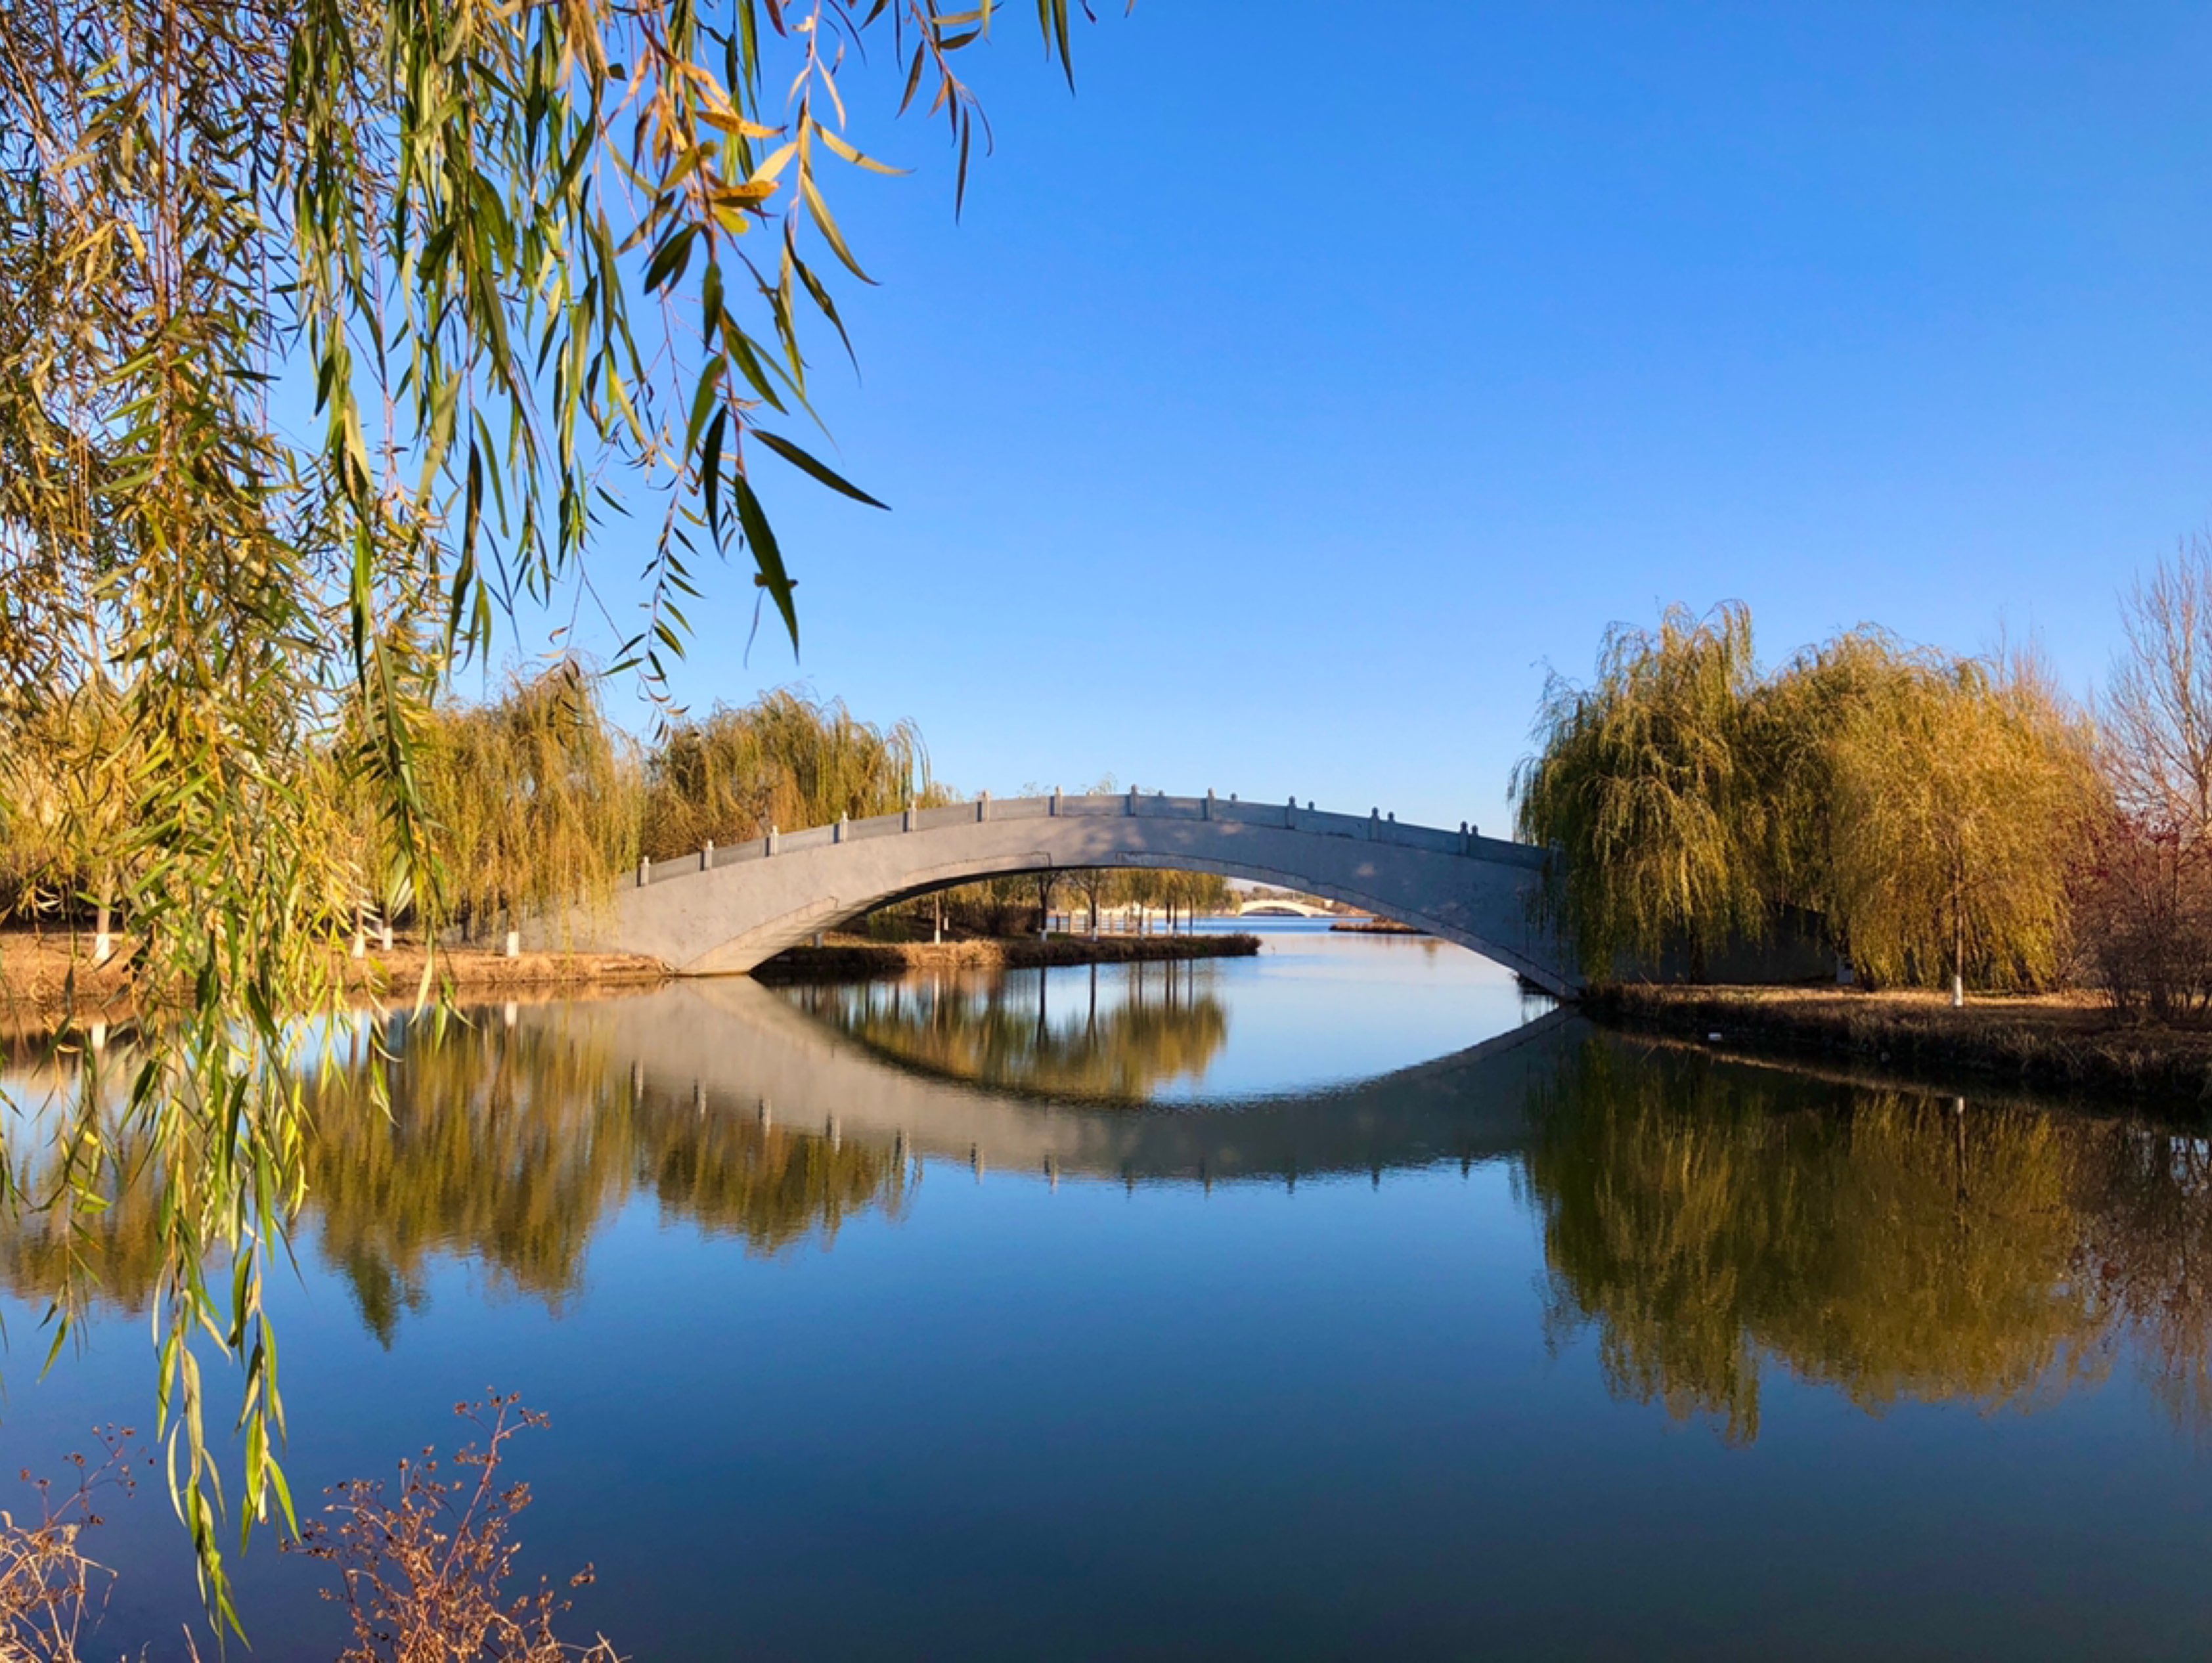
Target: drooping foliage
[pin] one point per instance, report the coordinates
(325, 330)
(534, 795)
(787, 760)
(1643, 782)
(1960, 798)
(1929, 810)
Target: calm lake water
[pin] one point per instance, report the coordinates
(1338, 1301)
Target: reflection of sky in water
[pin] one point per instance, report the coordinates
(1708, 1361)
(1316, 1009)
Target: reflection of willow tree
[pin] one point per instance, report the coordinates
(1005, 1030)
(1883, 1244)
(510, 1147)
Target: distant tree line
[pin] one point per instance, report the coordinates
(1086, 900)
(1938, 818)
(539, 799)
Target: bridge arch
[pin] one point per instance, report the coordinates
(727, 910)
(1280, 906)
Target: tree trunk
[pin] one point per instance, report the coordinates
(1958, 951)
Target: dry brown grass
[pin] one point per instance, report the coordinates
(2074, 1040)
(473, 970)
(423, 1573)
(49, 977)
(50, 1588)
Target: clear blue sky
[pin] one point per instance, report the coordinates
(1291, 395)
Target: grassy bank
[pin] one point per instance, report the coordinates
(52, 976)
(2070, 1042)
(855, 958)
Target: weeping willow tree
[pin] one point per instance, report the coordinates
(535, 795)
(326, 328)
(1960, 796)
(787, 760)
(1642, 784)
(1926, 808)
(1790, 723)
(65, 766)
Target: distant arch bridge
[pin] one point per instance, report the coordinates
(726, 910)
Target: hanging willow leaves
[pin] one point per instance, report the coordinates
(328, 330)
(1925, 809)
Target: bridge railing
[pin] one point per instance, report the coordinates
(1321, 823)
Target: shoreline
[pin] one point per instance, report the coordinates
(51, 979)
(2071, 1043)
(855, 958)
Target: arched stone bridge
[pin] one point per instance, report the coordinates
(728, 909)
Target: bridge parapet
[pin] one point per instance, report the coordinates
(1319, 822)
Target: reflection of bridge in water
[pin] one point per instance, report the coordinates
(730, 1046)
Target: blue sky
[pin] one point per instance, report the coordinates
(1290, 396)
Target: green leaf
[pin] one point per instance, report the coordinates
(853, 155)
(710, 469)
(768, 558)
(702, 401)
(820, 210)
(670, 258)
(799, 460)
